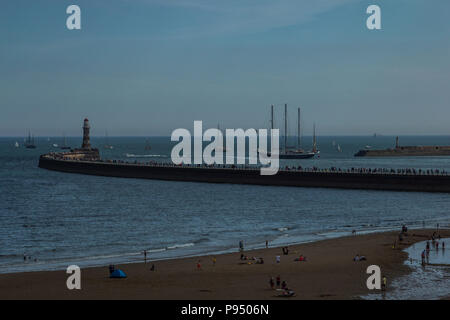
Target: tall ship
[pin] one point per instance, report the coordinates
(405, 151)
(29, 142)
(296, 153)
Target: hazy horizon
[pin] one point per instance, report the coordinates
(148, 67)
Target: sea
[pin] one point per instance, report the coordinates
(56, 219)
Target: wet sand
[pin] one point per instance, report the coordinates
(329, 273)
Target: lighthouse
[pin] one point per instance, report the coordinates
(86, 140)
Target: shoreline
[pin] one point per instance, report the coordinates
(329, 273)
(133, 258)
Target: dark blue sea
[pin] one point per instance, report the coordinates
(59, 219)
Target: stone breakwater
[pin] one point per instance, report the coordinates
(297, 177)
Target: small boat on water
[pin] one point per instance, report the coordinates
(107, 145)
(64, 144)
(147, 145)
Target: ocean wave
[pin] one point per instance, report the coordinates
(281, 229)
(156, 250)
(184, 245)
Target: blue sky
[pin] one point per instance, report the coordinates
(146, 67)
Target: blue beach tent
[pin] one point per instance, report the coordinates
(118, 274)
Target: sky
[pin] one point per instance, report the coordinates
(147, 67)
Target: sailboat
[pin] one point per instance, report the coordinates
(147, 145)
(299, 153)
(29, 142)
(64, 144)
(107, 145)
(16, 144)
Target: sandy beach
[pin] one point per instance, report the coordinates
(328, 273)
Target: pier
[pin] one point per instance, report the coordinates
(356, 178)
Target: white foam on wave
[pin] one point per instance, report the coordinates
(184, 245)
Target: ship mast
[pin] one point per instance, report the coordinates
(298, 128)
(271, 117)
(314, 138)
(285, 127)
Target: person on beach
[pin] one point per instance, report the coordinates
(272, 283)
(152, 268)
(437, 245)
(267, 244)
(301, 258)
(241, 246)
(384, 283)
(214, 261)
(278, 259)
(199, 266)
(111, 268)
(145, 256)
(284, 285)
(278, 281)
(356, 258)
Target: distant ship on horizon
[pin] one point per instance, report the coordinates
(405, 151)
(290, 152)
(298, 153)
(29, 142)
(107, 145)
(64, 144)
